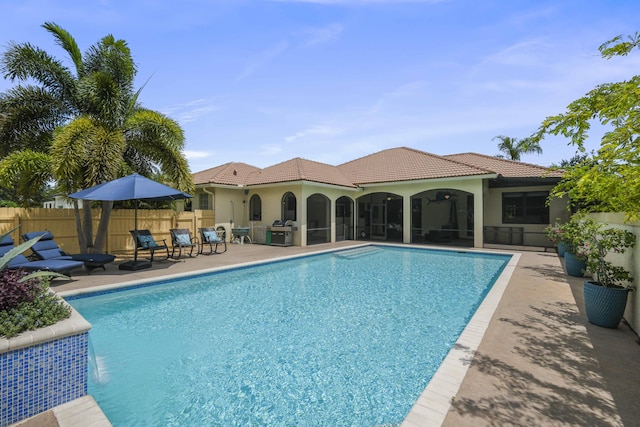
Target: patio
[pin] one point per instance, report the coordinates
(539, 363)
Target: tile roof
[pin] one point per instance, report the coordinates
(504, 167)
(232, 173)
(406, 164)
(392, 165)
(300, 170)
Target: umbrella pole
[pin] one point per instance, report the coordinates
(135, 231)
(135, 264)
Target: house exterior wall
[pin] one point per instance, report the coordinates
(227, 205)
(231, 204)
(407, 190)
(533, 234)
(271, 197)
(60, 202)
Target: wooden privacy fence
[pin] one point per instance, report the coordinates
(61, 223)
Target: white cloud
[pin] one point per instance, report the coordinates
(317, 36)
(313, 131)
(190, 111)
(402, 93)
(524, 54)
(190, 154)
(263, 58)
(267, 150)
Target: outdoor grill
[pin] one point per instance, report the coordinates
(282, 233)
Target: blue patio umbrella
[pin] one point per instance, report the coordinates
(132, 187)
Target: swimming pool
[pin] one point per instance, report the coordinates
(349, 338)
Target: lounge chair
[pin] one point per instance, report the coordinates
(210, 237)
(46, 248)
(181, 239)
(62, 266)
(145, 242)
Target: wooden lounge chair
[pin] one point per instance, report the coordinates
(181, 239)
(213, 239)
(145, 242)
(46, 248)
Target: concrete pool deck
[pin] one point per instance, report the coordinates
(538, 363)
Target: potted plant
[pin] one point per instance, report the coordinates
(605, 297)
(567, 235)
(558, 233)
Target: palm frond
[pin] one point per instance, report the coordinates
(68, 43)
(24, 61)
(26, 171)
(70, 152)
(29, 116)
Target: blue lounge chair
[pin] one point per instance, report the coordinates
(62, 266)
(47, 249)
(210, 237)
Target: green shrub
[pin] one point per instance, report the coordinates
(27, 305)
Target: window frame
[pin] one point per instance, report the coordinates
(203, 197)
(253, 201)
(529, 206)
(289, 200)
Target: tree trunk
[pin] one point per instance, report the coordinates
(101, 234)
(82, 242)
(87, 226)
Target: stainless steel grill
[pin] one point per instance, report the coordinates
(282, 233)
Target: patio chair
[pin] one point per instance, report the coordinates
(145, 242)
(46, 248)
(62, 266)
(181, 239)
(212, 238)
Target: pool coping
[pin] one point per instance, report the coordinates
(168, 277)
(433, 404)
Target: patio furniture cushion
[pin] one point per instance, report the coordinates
(144, 241)
(63, 266)
(183, 239)
(147, 241)
(211, 236)
(47, 249)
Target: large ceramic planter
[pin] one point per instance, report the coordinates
(563, 248)
(574, 265)
(604, 306)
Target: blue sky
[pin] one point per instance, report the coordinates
(333, 80)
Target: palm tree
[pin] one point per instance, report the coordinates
(514, 148)
(87, 122)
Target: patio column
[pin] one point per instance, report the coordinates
(478, 218)
(332, 220)
(406, 218)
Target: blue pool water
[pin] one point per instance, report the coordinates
(343, 339)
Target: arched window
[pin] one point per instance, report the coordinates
(255, 208)
(289, 206)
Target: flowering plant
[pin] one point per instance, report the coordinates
(565, 233)
(594, 242)
(25, 300)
